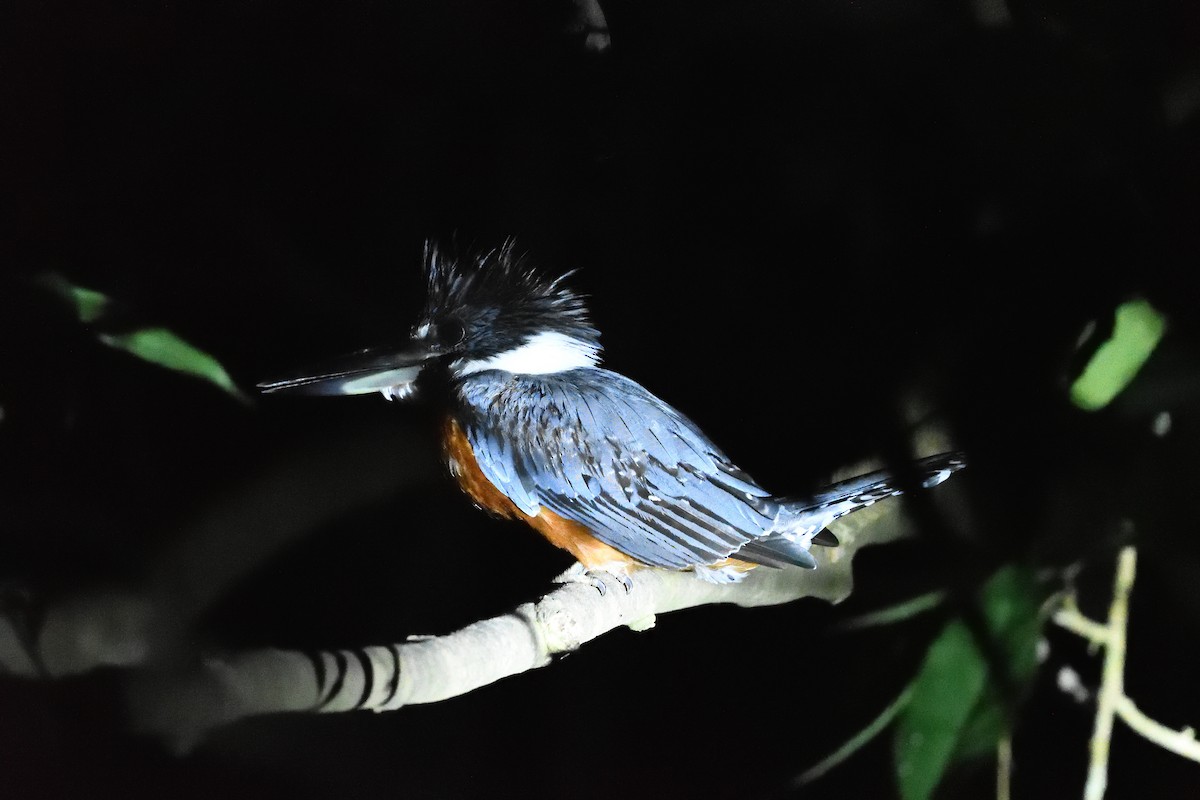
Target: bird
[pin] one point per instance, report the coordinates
(536, 430)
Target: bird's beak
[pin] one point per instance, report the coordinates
(392, 371)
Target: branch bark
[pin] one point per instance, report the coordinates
(137, 630)
(183, 707)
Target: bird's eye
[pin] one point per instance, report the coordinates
(451, 333)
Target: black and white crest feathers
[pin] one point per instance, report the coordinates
(500, 289)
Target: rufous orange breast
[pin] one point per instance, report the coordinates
(563, 533)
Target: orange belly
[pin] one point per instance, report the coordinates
(567, 534)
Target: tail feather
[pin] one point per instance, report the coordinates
(825, 538)
(850, 495)
(802, 521)
(777, 551)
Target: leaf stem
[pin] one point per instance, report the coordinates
(898, 612)
(857, 741)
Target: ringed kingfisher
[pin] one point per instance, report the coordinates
(537, 431)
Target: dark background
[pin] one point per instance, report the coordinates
(789, 216)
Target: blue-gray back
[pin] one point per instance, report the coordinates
(595, 447)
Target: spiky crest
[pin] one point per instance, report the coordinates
(498, 290)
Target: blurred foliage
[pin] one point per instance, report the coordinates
(155, 345)
(1011, 603)
(164, 348)
(89, 304)
(1136, 332)
(955, 711)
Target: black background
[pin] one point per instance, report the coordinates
(788, 216)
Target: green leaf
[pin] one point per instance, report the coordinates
(948, 685)
(89, 304)
(954, 712)
(162, 347)
(982, 730)
(1011, 600)
(156, 345)
(1136, 332)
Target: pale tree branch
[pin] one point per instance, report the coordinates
(1071, 618)
(183, 707)
(1112, 684)
(1113, 702)
(1182, 742)
(142, 630)
(1004, 768)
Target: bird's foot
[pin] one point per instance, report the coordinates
(594, 577)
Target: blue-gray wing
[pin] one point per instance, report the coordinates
(594, 447)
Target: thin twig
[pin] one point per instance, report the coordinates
(1112, 685)
(1182, 742)
(1069, 617)
(1004, 767)
(1113, 701)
